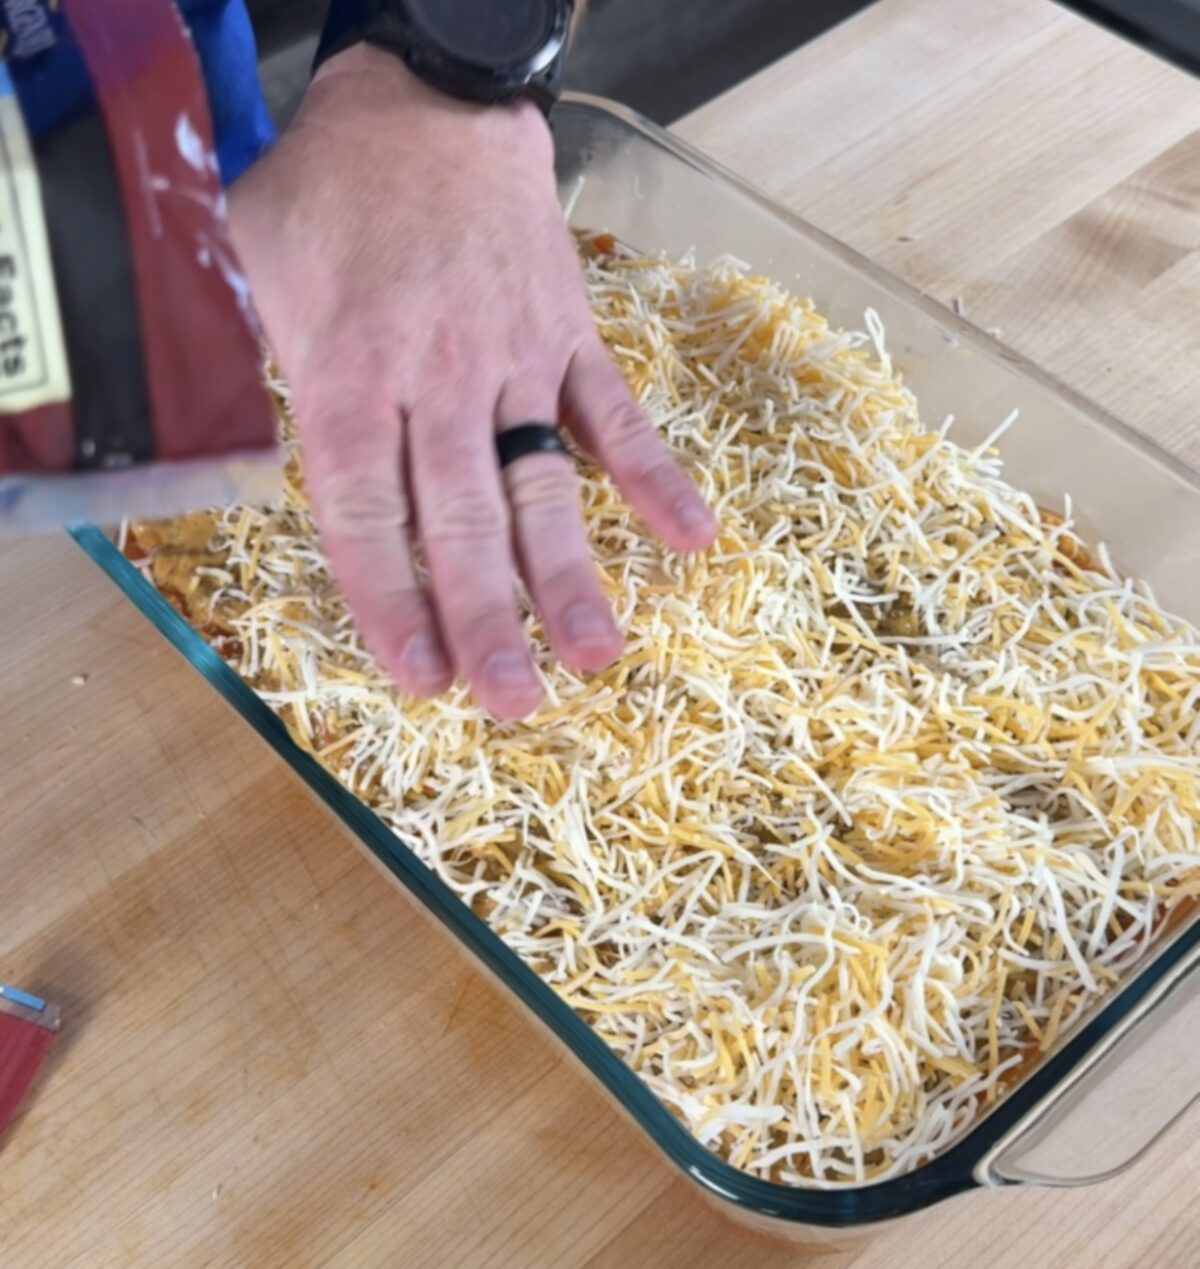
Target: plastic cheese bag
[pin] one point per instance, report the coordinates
(129, 353)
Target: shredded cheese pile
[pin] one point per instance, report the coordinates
(887, 788)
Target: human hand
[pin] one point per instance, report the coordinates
(421, 292)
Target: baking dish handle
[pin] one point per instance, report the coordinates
(1117, 1103)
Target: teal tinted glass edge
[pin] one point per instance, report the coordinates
(949, 1174)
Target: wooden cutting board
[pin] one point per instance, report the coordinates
(269, 1059)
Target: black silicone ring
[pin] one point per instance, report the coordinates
(528, 438)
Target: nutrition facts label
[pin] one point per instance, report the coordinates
(33, 362)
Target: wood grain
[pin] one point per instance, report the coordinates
(269, 1059)
(1035, 168)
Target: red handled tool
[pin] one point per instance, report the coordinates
(27, 1030)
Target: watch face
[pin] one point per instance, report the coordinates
(486, 33)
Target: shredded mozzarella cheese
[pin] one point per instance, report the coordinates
(886, 788)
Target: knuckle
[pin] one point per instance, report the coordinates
(350, 434)
(636, 453)
(449, 352)
(389, 609)
(568, 583)
(441, 460)
(336, 377)
(404, 604)
(356, 507)
(630, 436)
(465, 517)
(626, 424)
(349, 446)
(480, 627)
(662, 477)
(541, 483)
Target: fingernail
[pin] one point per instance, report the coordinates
(589, 624)
(508, 671)
(423, 658)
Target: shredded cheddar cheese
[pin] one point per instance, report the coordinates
(887, 787)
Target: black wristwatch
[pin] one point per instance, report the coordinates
(490, 51)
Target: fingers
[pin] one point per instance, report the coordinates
(472, 517)
(552, 545)
(465, 533)
(354, 474)
(609, 423)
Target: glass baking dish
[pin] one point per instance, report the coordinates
(1127, 1070)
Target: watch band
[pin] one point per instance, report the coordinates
(345, 24)
(385, 25)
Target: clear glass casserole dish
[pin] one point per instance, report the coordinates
(1118, 1079)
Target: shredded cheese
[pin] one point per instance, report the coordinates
(887, 787)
